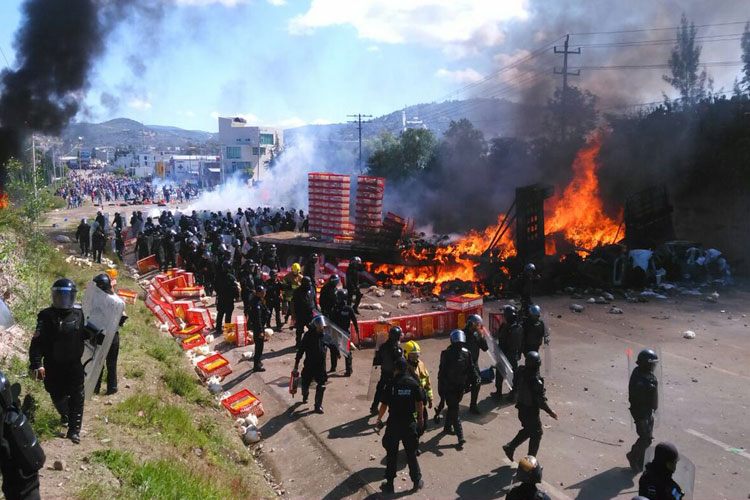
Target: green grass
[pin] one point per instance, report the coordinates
(135, 372)
(44, 418)
(158, 479)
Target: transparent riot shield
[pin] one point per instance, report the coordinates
(547, 359)
(501, 363)
(373, 384)
(660, 414)
(337, 337)
(684, 474)
(104, 312)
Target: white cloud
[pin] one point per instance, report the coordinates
(373, 48)
(226, 3)
(139, 103)
(292, 122)
(467, 75)
(437, 23)
(321, 121)
(277, 3)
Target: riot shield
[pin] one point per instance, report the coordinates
(103, 311)
(501, 363)
(547, 359)
(373, 384)
(659, 415)
(337, 337)
(684, 474)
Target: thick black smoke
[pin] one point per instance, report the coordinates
(56, 46)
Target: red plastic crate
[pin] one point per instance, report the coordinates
(214, 365)
(188, 331)
(367, 179)
(243, 403)
(193, 341)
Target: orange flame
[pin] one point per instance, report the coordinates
(576, 213)
(3, 199)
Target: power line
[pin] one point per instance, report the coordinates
(659, 66)
(643, 30)
(730, 37)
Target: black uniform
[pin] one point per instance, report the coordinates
(273, 300)
(112, 354)
(169, 252)
(656, 483)
(20, 475)
(119, 244)
(531, 398)
(401, 396)
(385, 357)
(256, 314)
(327, 297)
(309, 269)
(353, 293)
(313, 348)
(99, 241)
(510, 339)
(303, 301)
(526, 491)
(83, 235)
(643, 392)
(474, 342)
(57, 345)
(456, 372)
(533, 334)
(141, 246)
(342, 316)
(226, 294)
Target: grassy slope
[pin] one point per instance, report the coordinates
(168, 438)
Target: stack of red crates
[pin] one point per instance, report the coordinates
(393, 228)
(329, 205)
(369, 207)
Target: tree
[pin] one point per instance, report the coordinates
(386, 158)
(462, 146)
(417, 149)
(684, 63)
(745, 84)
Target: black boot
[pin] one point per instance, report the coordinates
(319, 391)
(61, 405)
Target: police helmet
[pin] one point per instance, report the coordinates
(535, 311)
(529, 470)
(395, 333)
(357, 260)
(400, 365)
(474, 321)
(665, 452)
(410, 348)
(260, 290)
(334, 278)
(226, 266)
(314, 256)
(458, 337)
(529, 268)
(532, 359)
(647, 357)
(63, 293)
(340, 296)
(272, 247)
(237, 242)
(103, 282)
(207, 255)
(509, 313)
(318, 323)
(306, 282)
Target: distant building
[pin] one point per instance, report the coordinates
(245, 147)
(192, 168)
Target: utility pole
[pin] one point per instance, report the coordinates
(33, 164)
(565, 73)
(359, 123)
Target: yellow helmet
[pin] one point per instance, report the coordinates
(295, 268)
(411, 347)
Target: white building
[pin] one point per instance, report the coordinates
(245, 147)
(194, 168)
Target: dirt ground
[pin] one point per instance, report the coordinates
(704, 406)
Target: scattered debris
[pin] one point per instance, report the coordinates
(372, 307)
(615, 310)
(416, 300)
(61, 238)
(396, 294)
(403, 305)
(689, 334)
(608, 296)
(58, 465)
(576, 308)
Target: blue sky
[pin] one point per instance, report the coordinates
(285, 62)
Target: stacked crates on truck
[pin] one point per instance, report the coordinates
(369, 208)
(329, 205)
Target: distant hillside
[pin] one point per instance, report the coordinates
(124, 133)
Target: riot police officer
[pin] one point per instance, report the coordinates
(257, 313)
(404, 399)
(309, 268)
(534, 330)
(385, 357)
(510, 339)
(530, 474)
(21, 456)
(141, 246)
(313, 348)
(454, 375)
(227, 291)
(83, 236)
(343, 316)
(527, 285)
(657, 483)
(274, 290)
(303, 302)
(104, 283)
(475, 340)
(352, 283)
(643, 393)
(55, 354)
(328, 294)
(531, 398)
